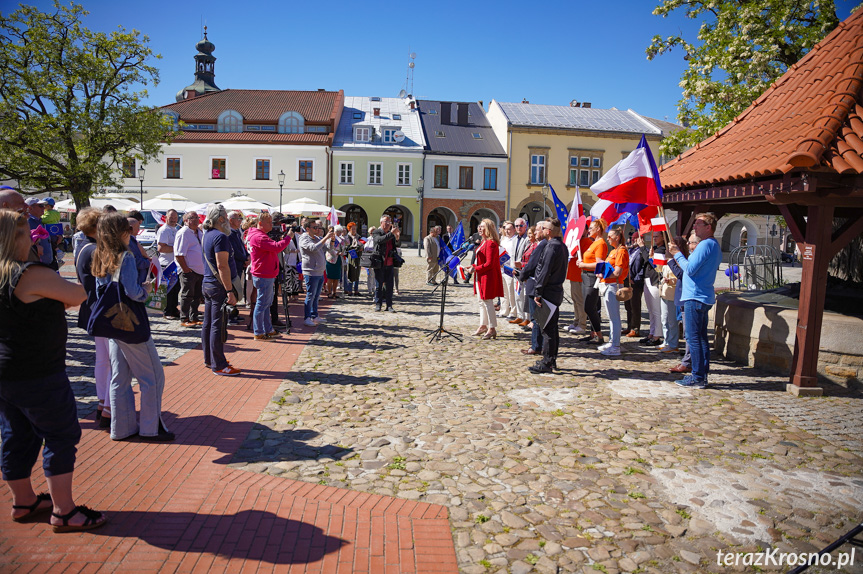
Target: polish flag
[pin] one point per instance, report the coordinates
(159, 217)
(659, 259)
(462, 273)
(658, 224)
(634, 179)
(156, 270)
(332, 218)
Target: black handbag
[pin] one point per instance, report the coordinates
(114, 316)
(398, 261)
(371, 260)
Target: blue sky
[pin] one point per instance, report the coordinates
(548, 52)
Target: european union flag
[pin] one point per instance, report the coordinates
(444, 253)
(169, 276)
(604, 269)
(457, 236)
(562, 211)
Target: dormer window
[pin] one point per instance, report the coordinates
(375, 99)
(174, 117)
(362, 134)
(230, 121)
(389, 135)
(291, 123)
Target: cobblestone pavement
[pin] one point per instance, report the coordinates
(607, 466)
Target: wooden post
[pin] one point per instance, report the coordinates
(816, 255)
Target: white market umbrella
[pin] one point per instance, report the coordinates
(68, 205)
(168, 201)
(245, 203)
(307, 207)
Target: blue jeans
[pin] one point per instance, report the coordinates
(211, 333)
(669, 323)
(612, 309)
(314, 283)
(536, 331)
(261, 321)
(695, 322)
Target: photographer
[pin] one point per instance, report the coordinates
(265, 269)
(218, 288)
(277, 233)
(386, 241)
(312, 244)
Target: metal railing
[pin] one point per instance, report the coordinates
(755, 267)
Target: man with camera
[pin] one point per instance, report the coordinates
(386, 240)
(312, 244)
(218, 289)
(265, 269)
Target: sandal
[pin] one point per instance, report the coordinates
(94, 518)
(33, 509)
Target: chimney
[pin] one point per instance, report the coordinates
(585, 105)
(462, 115)
(377, 112)
(524, 101)
(445, 113)
(412, 104)
(189, 94)
(481, 104)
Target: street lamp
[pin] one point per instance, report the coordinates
(420, 188)
(141, 179)
(281, 177)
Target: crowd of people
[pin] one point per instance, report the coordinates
(519, 275)
(221, 258)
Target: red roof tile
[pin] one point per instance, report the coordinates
(253, 138)
(264, 106)
(811, 117)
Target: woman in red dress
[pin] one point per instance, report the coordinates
(488, 282)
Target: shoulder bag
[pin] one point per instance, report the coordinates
(114, 315)
(624, 293)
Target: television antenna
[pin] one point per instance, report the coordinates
(409, 78)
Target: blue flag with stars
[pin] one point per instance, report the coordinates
(444, 252)
(562, 211)
(457, 237)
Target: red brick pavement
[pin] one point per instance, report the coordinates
(177, 507)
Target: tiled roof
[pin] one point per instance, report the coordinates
(567, 117)
(363, 106)
(260, 105)
(459, 139)
(811, 117)
(251, 138)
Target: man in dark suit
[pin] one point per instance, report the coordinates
(528, 284)
(386, 240)
(550, 275)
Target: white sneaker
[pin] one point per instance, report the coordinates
(611, 351)
(578, 329)
(318, 320)
(309, 323)
(604, 346)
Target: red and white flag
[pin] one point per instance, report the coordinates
(332, 218)
(156, 270)
(659, 259)
(159, 217)
(574, 231)
(658, 224)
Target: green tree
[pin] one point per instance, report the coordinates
(70, 115)
(742, 47)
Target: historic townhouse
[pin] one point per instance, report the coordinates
(465, 166)
(241, 141)
(377, 162)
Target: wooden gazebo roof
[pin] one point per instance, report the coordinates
(803, 137)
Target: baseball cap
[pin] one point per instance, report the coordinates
(48, 200)
(31, 201)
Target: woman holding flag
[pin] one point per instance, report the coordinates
(488, 282)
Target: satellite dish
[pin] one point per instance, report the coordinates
(411, 65)
(399, 136)
(413, 55)
(402, 94)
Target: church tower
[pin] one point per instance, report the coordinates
(205, 64)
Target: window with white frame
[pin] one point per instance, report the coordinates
(291, 123)
(230, 121)
(346, 172)
(376, 173)
(537, 168)
(403, 176)
(362, 134)
(389, 135)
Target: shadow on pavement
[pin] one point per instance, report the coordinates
(304, 377)
(249, 534)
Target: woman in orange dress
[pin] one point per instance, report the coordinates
(488, 282)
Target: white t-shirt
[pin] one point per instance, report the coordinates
(166, 235)
(188, 244)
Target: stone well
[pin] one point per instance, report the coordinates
(757, 328)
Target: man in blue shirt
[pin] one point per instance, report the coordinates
(698, 296)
